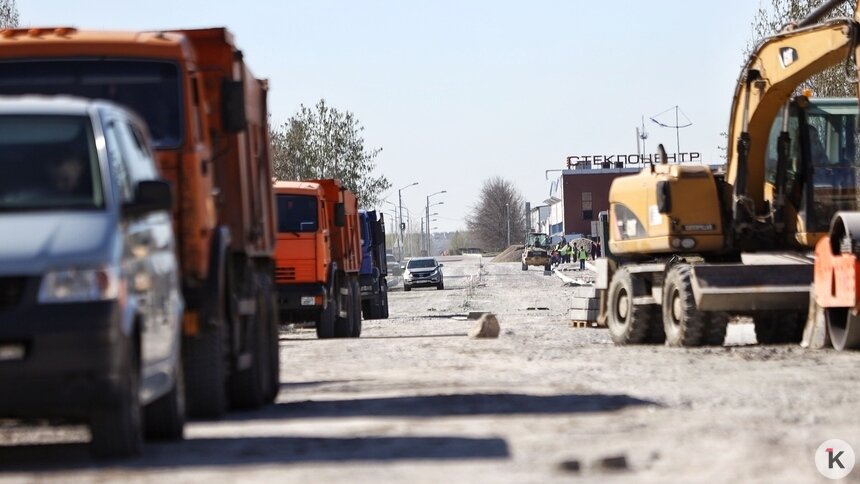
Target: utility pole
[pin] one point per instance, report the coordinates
(427, 211)
(402, 225)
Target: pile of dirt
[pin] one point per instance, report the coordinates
(513, 253)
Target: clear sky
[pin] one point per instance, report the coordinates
(458, 91)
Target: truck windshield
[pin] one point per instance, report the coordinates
(297, 213)
(150, 88)
(48, 163)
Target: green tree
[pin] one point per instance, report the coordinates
(498, 203)
(323, 142)
(770, 19)
(8, 14)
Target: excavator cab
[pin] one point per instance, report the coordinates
(820, 169)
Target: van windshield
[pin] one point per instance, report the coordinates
(48, 163)
(149, 88)
(297, 213)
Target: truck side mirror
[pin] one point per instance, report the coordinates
(233, 118)
(664, 197)
(339, 215)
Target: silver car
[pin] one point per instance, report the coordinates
(423, 272)
(90, 307)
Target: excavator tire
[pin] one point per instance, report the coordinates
(715, 330)
(779, 327)
(627, 323)
(684, 324)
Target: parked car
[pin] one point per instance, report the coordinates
(89, 293)
(423, 272)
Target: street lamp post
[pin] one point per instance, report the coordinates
(429, 249)
(508, 215)
(400, 202)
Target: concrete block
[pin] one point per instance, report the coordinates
(583, 314)
(585, 303)
(585, 292)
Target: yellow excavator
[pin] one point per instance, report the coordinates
(689, 248)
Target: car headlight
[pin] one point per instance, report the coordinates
(80, 285)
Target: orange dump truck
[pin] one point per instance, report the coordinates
(318, 256)
(208, 118)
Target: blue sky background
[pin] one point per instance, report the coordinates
(458, 91)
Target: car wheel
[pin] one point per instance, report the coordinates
(164, 419)
(117, 432)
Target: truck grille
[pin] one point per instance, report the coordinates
(11, 290)
(283, 274)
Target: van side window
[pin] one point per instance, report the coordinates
(117, 162)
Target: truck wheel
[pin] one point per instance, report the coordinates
(383, 300)
(117, 431)
(205, 372)
(844, 328)
(343, 324)
(525, 266)
(368, 309)
(325, 324)
(164, 419)
(250, 387)
(779, 327)
(272, 344)
(627, 323)
(355, 327)
(684, 324)
(715, 330)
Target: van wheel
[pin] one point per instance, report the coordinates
(117, 432)
(164, 419)
(627, 323)
(205, 380)
(684, 324)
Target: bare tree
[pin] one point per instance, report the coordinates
(8, 14)
(832, 82)
(323, 142)
(499, 202)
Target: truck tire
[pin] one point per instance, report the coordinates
(274, 346)
(715, 330)
(343, 324)
(779, 327)
(383, 300)
(355, 327)
(525, 266)
(683, 323)
(117, 432)
(249, 387)
(205, 372)
(627, 323)
(325, 325)
(368, 309)
(164, 419)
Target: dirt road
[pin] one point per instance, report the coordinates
(415, 400)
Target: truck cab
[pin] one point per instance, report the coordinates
(374, 266)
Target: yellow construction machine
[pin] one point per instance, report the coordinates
(689, 248)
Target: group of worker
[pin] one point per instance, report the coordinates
(564, 251)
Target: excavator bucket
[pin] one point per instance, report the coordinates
(745, 287)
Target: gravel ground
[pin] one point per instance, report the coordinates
(415, 400)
